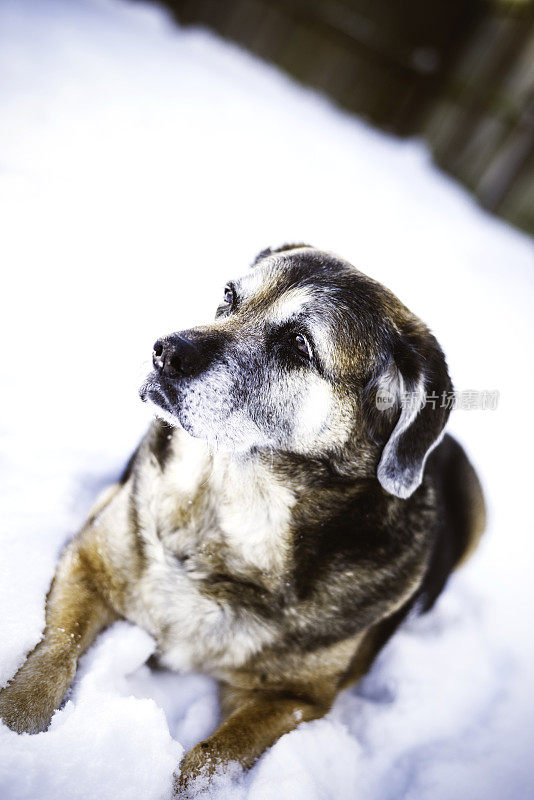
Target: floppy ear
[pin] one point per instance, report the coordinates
(418, 382)
(269, 251)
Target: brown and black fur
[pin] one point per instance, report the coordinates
(274, 527)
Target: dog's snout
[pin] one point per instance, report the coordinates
(174, 356)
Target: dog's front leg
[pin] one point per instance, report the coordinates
(75, 613)
(258, 723)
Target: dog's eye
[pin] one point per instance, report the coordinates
(229, 295)
(301, 344)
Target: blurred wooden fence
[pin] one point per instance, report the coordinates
(460, 73)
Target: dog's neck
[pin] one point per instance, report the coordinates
(267, 470)
(236, 512)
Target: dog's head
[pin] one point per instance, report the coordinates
(309, 356)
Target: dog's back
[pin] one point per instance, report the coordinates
(460, 524)
(462, 515)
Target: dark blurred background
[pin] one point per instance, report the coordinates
(458, 73)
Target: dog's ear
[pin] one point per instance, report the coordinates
(270, 251)
(416, 386)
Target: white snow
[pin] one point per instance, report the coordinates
(142, 166)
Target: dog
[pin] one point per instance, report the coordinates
(293, 500)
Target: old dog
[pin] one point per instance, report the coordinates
(293, 500)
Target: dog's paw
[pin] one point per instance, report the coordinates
(28, 702)
(20, 711)
(196, 770)
(201, 769)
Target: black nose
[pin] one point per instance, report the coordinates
(174, 356)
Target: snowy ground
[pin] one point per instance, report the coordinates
(141, 166)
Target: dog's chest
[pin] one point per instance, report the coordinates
(209, 521)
